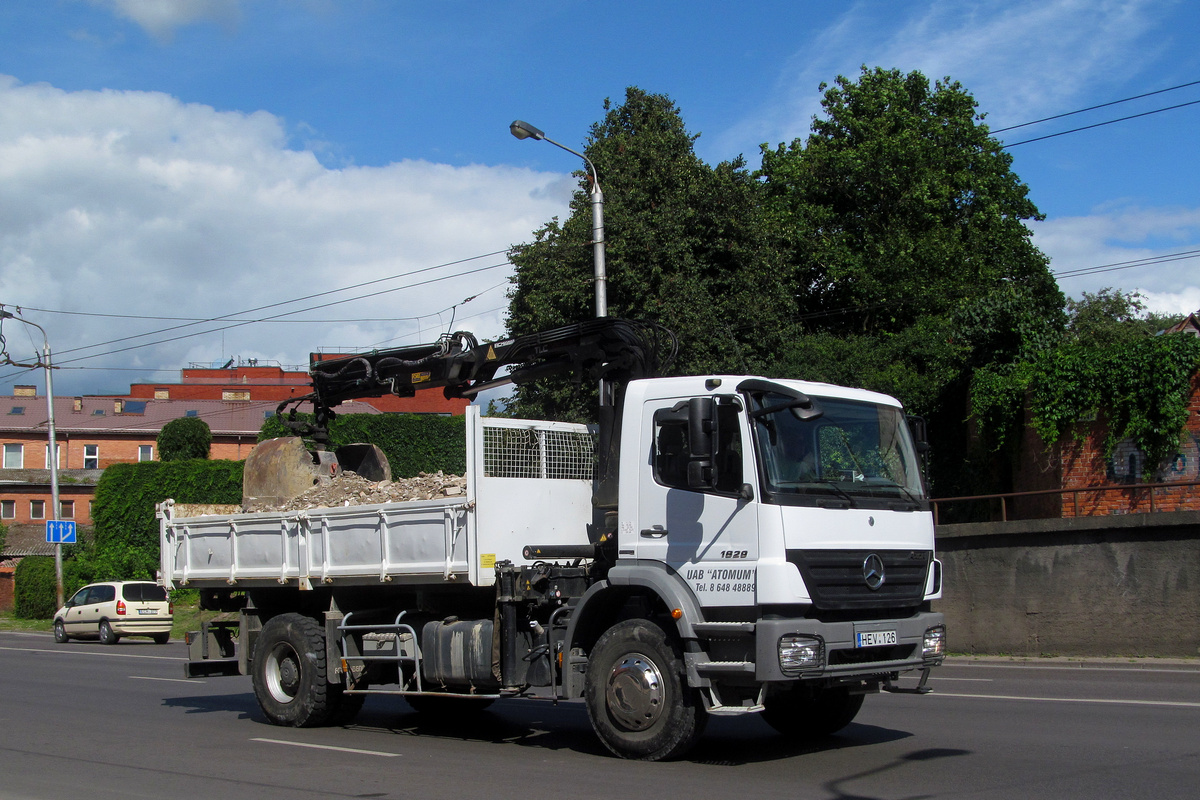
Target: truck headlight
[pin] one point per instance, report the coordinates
(798, 653)
(933, 646)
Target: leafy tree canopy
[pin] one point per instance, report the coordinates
(184, 438)
(901, 205)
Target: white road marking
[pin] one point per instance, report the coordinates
(171, 680)
(1101, 700)
(976, 680)
(66, 650)
(329, 747)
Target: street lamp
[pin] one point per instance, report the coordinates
(523, 130)
(53, 458)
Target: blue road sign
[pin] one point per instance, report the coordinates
(60, 531)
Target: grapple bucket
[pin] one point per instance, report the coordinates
(279, 469)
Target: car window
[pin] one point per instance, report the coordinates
(103, 594)
(81, 596)
(144, 593)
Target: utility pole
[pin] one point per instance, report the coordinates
(53, 457)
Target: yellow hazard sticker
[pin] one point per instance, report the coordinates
(487, 560)
(491, 354)
(420, 377)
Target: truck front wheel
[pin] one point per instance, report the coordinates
(803, 713)
(637, 698)
(289, 672)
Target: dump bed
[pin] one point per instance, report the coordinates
(528, 483)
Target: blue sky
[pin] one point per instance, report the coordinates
(189, 159)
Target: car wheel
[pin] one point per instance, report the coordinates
(289, 672)
(106, 633)
(161, 638)
(60, 631)
(802, 713)
(637, 698)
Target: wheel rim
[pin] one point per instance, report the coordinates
(59, 631)
(634, 692)
(283, 674)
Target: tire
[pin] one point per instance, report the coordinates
(106, 633)
(161, 638)
(60, 632)
(637, 699)
(447, 707)
(289, 672)
(803, 713)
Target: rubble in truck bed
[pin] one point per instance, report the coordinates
(350, 489)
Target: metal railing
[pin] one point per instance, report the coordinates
(1132, 489)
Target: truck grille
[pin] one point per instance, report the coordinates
(836, 582)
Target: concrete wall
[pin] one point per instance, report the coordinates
(1090, 586)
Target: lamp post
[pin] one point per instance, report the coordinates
(53, 457)
(523, 130)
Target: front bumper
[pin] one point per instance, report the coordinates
(840, 658)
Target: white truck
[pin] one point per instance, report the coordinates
(722, 544)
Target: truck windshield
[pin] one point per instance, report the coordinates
(853, 454)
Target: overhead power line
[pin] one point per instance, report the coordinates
(235, 314)
(1101, 124)
(1149, 261)
(1093, 108)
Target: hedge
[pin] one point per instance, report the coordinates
(413, 443)
(126, 529)
(35, 591)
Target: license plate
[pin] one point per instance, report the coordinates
(875, 638)
(151, 611)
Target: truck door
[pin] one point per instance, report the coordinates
(709, 535)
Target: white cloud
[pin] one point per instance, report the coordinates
(1112, 238)
(134, 203)
(161, 18)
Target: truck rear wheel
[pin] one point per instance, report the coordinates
(803, 713)
(637, 698)
(289, 672)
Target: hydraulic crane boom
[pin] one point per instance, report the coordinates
(608, 350)
(605, 349)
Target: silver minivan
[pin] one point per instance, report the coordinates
(107, 611)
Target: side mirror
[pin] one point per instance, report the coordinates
(702, 438)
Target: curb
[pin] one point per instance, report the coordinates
(1080, 662)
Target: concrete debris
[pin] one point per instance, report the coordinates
(351, 489)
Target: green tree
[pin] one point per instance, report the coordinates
(685, 248)
(906, 227)
(901, 205)
(184, 438)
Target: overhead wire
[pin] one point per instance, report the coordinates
(1102, 124)
(1095, 107)
(225, 317)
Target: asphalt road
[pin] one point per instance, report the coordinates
(82, 720)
